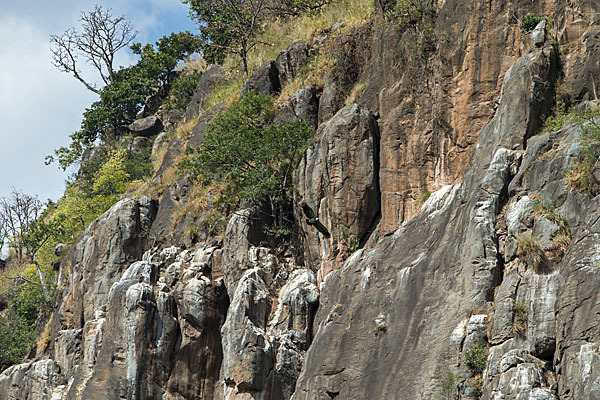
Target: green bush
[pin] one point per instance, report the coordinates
(588, 121)
(423, 197)
(16, 335)
(249, 158)
(476, 357)
(530, 21)
(19, 320)
(450, 386)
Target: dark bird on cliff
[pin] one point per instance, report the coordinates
(313, 220)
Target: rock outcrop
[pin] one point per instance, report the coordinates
(338, 179)
(146, 127)
(213, 76)
(388, 307)
(488, 290)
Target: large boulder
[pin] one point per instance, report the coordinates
(248, 353)
(100, 255)
(211, 77)
(33, 380)
(331, 100)
(305, 103)
(290, 61)
(146, 127)
(338, 179)
(265, 80)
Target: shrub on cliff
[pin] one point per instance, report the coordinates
(250, 157)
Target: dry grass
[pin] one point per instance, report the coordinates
(579, 177)
(44, 339)
(194, 207)
(312, 74)
(12, 270)
(356, 92)
(195, 64)
(159, 157)
(531, 249)
(560, 243)
(283, 32)
(201, 204)
(519, 324)
(227, 92)
(184, 130)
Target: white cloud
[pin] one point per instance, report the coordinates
(39, 108)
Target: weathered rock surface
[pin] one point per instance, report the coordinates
(33, 380)
(103, 252)
(388, 307)
(338, 178)
(331, 100)
(306, 105)
(211, 77)
(142, 312)
(433, 106)
(291, 60)
(146, 127)
(265, 80)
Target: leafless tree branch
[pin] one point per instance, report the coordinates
(102, 35)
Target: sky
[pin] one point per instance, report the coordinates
(41, 106)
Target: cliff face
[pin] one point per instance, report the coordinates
(391, 301)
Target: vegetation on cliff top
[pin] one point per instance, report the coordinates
(250, 157)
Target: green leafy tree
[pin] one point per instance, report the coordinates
(229, 26)
(233, 26)
(107, 119)
(249, 156)
(22, 223)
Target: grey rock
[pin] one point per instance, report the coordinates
(306, 106)
(297, 303)
(265, 80)
(33, 380)
(138, 144)
(174, 149)
(146, 127)
(519, 216)
(248, 353)
(67, 350)
(429, 274)
(105, 249)
(211, 77)
(545, 230)
(504, 301)
(338, 179)
(538, 35)
(244, 230)
(61, 249)
(290, 61)
(159, 142)
(198, 130)
(331, 100)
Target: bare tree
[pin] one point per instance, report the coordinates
(22, 227)
(102, 35)
(17, 213)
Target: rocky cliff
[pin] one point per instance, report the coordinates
(487, 290)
